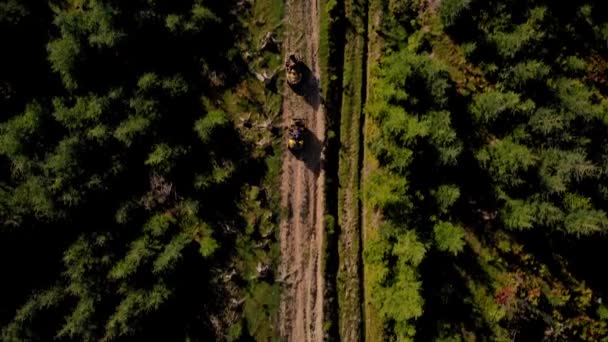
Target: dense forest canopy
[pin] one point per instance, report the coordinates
(139, 159)
(490, 127)
(121, 182)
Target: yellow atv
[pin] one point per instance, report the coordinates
(295, 140)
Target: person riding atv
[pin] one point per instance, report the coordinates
(295, 140)
(293, 67)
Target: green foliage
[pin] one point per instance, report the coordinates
(448, 237)
(575, 65)
(235, 332)
(159, 224)
(139, 251)
(576, 100)
(63, 54)
(163, 157)
(195, 21)
(18, 330)
(175, 86)
(493, 104)
(446, 196)
(94, 25)
(12, 11)
(518, 215)
(560, 169)
(261, 299)
(506, 161)
(76, 324)
(102, 154)
(524, 36)
(397, 297)
(99, 170)
(548, 214)
(136, 303)
(404, 11)
(516, 139)
(33, 197)
(386, 190)
(400, 300)
(546, 121)
(586, 222)
(213, 120)
(485, 305)
(582, 219)
(452, 10)
(130, 128)
(408, 249)
(148, 81)
(63, 171)
(218, 175)
(444, 137)
(409, 105)
(602, 312)
(526, 73)
(208, 246)
(20, 132)
(411, 81)
(202, 14)
(172, 253)
(403, 128)
(82, 266)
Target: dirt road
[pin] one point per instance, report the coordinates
(302, 186)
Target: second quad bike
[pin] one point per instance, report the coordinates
(295, 139)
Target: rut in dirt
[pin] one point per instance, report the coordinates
(302, 186)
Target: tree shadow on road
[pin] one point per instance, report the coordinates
(312, 154)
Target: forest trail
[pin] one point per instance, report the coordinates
(302, 186)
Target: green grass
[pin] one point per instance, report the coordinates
(328, 78)
(348, 170)
(325, 45)
(329, 223)
(330, 230)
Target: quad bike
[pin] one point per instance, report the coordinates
(293, 67)
(295, 139)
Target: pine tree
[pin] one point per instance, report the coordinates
(449, 238)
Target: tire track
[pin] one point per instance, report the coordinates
(302, 183)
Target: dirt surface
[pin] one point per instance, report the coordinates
(302, 185)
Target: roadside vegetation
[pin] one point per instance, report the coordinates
(349, 220)
(342, 57)
(373, 323)
(330, 61)
(488, 122)
(139, 162)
